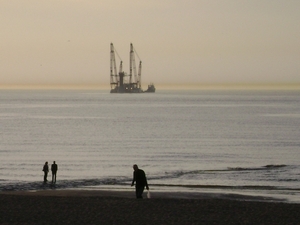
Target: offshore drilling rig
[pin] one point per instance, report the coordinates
(126, 83)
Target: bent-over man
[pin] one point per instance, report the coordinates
(140, 180)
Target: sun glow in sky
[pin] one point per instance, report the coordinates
(67, 42)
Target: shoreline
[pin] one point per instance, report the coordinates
(153, 195)
(159, 191)
(121, 207)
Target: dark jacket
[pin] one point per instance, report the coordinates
(139, 178)
(54, 168)
(46, 168)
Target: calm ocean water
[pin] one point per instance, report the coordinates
(202, 141)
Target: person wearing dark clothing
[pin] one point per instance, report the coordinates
(46, 170)
(54, 168)
(140, 180)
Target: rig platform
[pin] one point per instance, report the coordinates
(122, 82)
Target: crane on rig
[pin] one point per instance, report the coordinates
(122, 82)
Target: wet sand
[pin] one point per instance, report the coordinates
(120, 207)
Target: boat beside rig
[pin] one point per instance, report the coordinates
(126, 83)
(151, 88)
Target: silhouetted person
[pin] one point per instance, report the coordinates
(54, 170)
(46, 170)
(140, 180)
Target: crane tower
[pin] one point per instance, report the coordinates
(122, 82)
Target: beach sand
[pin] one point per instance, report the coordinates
(121, 207)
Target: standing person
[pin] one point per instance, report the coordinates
(46, 170)
(140, 180)
(54, 168)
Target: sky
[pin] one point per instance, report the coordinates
(67, 42)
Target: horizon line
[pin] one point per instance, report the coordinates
(162, 86)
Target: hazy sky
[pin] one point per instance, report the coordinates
(179, 41)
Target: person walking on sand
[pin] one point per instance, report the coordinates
(54, 168)
(140, 180)
(46, 170)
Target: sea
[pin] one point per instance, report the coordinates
(235, 142)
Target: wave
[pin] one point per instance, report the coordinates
(228, 169)
(257, 168)
(62, 184)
